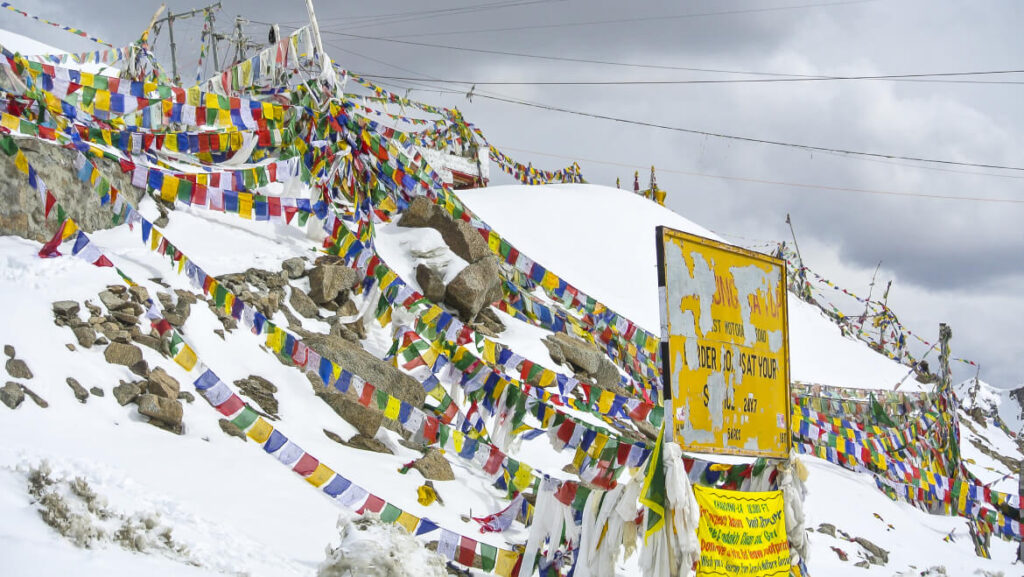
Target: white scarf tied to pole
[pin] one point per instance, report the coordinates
(792, 475)
(674, 549)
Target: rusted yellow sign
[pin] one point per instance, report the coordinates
(725, 346)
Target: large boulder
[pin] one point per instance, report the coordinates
(460, 236)
(474, 288)
(366, 420)
(168, 411)
(294, 267)
(303, 305)
(352, 357)
(586, 360)
(261, 391)
(434, 466)
(431, 282)
(127, 392)
(162, 385)
(327, 281)
(122, 354)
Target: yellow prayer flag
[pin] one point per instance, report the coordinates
(260, 431)
(506, 562)
(408, 521)
(604, 402)
(598, 445)
(10, 122)
(211, 101)
(245, 205)
(169, 190)
(392, 409)
(235, 137)
(321, 475)
(224, 118)
(547, 378)
(193, 96)
(102, 100)
(88, 79)
(577, 460)
(186, 357)
(275, 339)
(523, 478)
(493, 241)
(490, 355)
(21, 162)
(457, 439)
(229, 303)
(154, 239)
(550, 281)
(70, 228)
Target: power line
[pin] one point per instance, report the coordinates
(643, 18)
(744, 138)
(779, 76)
(396, 17)
(920, 77)
(779, 182)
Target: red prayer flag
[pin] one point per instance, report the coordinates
(306, 465)
(467, 550)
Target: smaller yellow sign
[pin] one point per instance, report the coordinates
(741, 533)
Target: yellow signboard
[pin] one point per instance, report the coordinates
(725, 346)
(741, 533)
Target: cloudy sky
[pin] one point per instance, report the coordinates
(957, 260)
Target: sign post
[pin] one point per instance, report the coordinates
(724, 347)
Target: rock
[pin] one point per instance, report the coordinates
(491, 320)
(12, 395)
(828, 529)
(93, 309)
(187, 397)
(434, 466)
(326, 281)
(366, 420)
(418, 214)
(126, 392)
(112, 301)
(580, 354)
(148, 341)
(65, 309)
(18, 369)
(97, 391)
(9, 351)
(359, 441)
(431, 283)
(862, 564)
(167, 411)
(125, 317)
(140, 368)
(85, 335)
(334, 437)
(102, 341)
(162, 385)
(231, 429)
(294, 267)
(138, 293)
(122, 354)
(876, 554)
(259, 390)
(343, 331)
(161, 221)
(70, 347)
(80, 393)
(475, 287)
(39, 401)
(380, 373)
(303, 305)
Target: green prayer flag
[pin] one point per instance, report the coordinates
(390, 513)
(245, 419)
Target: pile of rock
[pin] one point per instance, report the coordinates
(478, 285)
(13, 393)
(156, 397)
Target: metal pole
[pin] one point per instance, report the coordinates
(213, 41)
(174, 56)
(316, 28)
(1020, 507)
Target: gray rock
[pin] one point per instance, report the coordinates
(475, 287)
(102, 341)
(93, 309)
(96, 391)
(80, 393)
(231, 429)
(381, 374)
(126, 392)
(326, 281)
(65, 309)
(828, 529)
(112, 301)
(359, 441)
(434, 466)
(139, 293)
(366, 420)
(70, 347)
(122, 354)
(431, 283)
(85, 335)
(125, 317)
(294, 267)
(18, 369)
(140, 368)
(261, 391)
(39, 401)
(187, 397)
(343, 331)
(303, 305)
(147, 341)
(9, 351)
(162, 385)
(418, 214)
(164, 410)
(12, 395)
(490, 319)
(876, 554)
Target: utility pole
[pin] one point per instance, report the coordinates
(801, 277)
(871, 290)
(169, 19)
